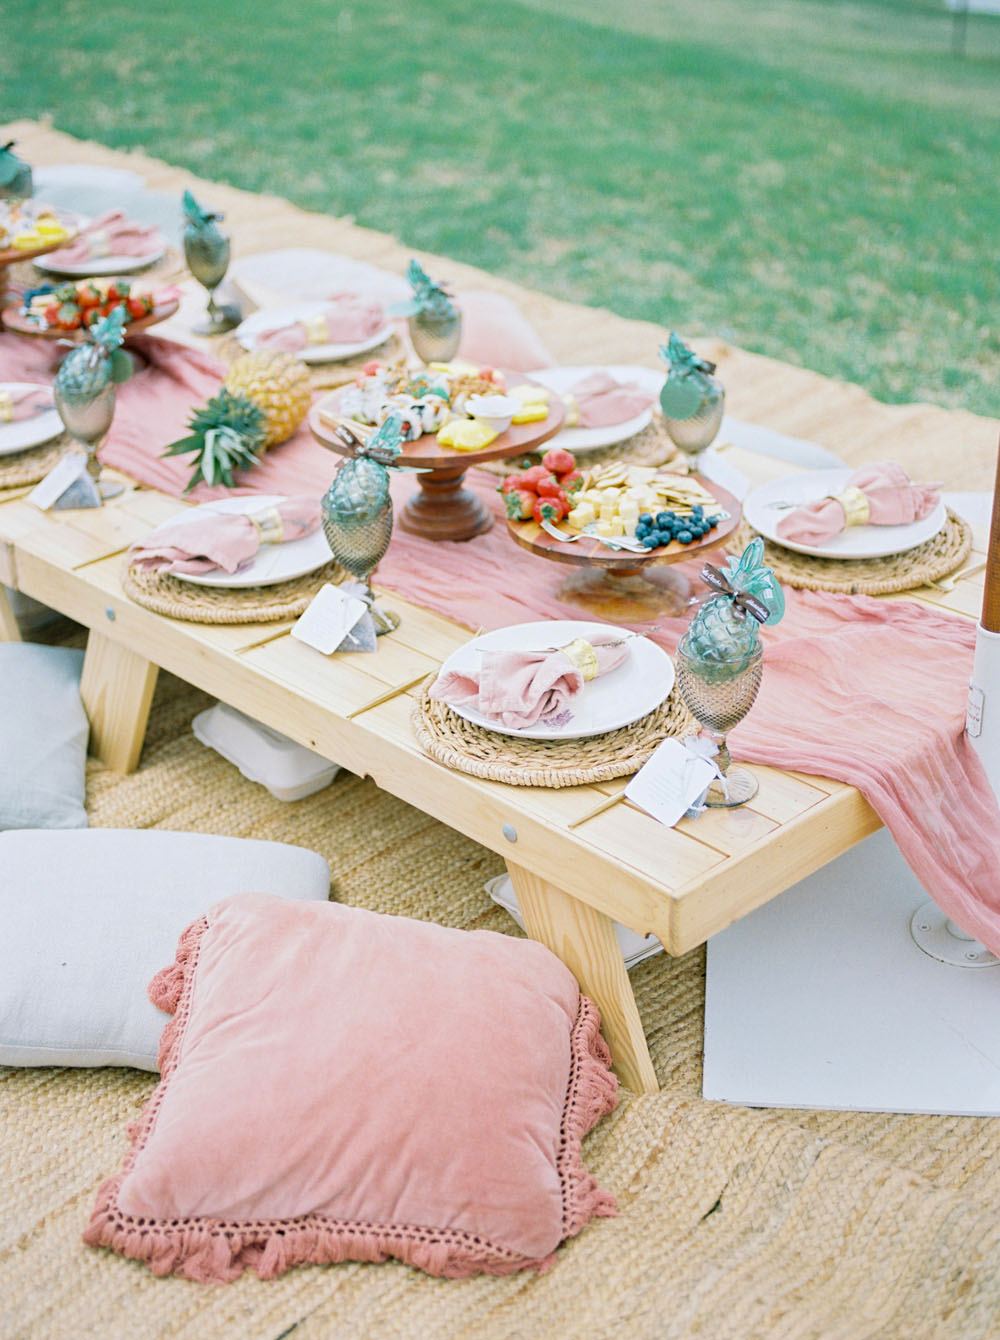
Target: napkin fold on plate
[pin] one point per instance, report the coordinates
(878, 494)
(601, 400)
(346, 319)
(223, 540)
(520, 688)
(24, 403)
(110, 234)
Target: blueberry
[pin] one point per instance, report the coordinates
(645, 519)
(650, 540)
(712, 522)
(697, 510)
(664, 518)
(685, 536)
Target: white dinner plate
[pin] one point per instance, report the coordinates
(248, 331)
(854, 542)
(630, 691)
(563, 379)
(99, 266)
(273, 562)
(29, 432)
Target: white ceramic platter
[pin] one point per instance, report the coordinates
(29, 432)
(99, 266)
(270, 319)
(273, 562)
(630, 691)
(563, 379)
(763, 514)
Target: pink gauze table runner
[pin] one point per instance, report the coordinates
(869, 692)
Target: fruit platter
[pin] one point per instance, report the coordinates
(620, 526)
(29, 229)
(454, 415)
(61, 311)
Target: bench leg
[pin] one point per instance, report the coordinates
(9, 630)
(117, 690)
(585, 941)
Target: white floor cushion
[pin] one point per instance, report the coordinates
(89, 916)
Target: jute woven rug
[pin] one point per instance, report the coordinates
(734, 1223)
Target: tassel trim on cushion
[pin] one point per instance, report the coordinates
(218, 1251)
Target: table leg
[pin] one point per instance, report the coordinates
(585, 941)
(117, 690)
(9, 630)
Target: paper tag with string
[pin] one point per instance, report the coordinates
(673, 780)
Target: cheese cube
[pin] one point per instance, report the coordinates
(581, 516)
(608, 530)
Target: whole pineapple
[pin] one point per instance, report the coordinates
(263, 399)
(725, 632)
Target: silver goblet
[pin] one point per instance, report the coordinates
(719, 694)
(206, 251)
(87, 418)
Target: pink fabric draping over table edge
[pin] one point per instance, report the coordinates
(869, 692)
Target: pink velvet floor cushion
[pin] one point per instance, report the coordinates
(341, 1085)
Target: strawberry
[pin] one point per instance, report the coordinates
(520, 504)
(571, 481)
(509, 483)
(136, 307)
(559, 461)
(550, 509)
(549, 487)
(530, 478)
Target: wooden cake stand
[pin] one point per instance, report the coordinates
(617, 585)
(442, 509)
(14, 255)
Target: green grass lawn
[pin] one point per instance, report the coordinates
(812, 179)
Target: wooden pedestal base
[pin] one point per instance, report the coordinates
(443, 510)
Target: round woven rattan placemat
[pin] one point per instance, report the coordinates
(32, 465)
(461, 745)
(650, 447)
(928, 562)
(164, 594)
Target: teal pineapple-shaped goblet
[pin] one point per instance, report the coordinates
(15, 175)
(84, 390)
(692, 399)
(357, 509)
(435, 323)
(206, 250)
(720, 661)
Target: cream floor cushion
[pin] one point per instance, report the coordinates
(89, 916)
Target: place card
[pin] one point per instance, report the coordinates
(328, 621)
(670, 782)
(67, 485)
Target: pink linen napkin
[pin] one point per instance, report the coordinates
(892, 501)
(603, 400)
(223, 540)
(25, 403)
(111, 234)
(520, 688)
(346, 320)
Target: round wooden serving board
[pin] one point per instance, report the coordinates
(14, 319)
(442, 509)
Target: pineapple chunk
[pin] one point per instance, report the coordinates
(466, 434)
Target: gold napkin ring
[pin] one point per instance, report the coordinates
(583, 656)
(269, 526)
(6, 407)
(856, 506)
(316, 329)
(99, 243)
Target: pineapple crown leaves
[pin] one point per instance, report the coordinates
(429, 297)
(227, 434)
(195, 215)
(750, 585)
(109, 333)
(99, 359)
(10, 164)
(682, 360)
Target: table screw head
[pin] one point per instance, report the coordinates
(109, 612)
(509, 832)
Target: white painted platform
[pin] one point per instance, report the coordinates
(821, 999)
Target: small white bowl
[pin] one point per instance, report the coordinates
(494, 410)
